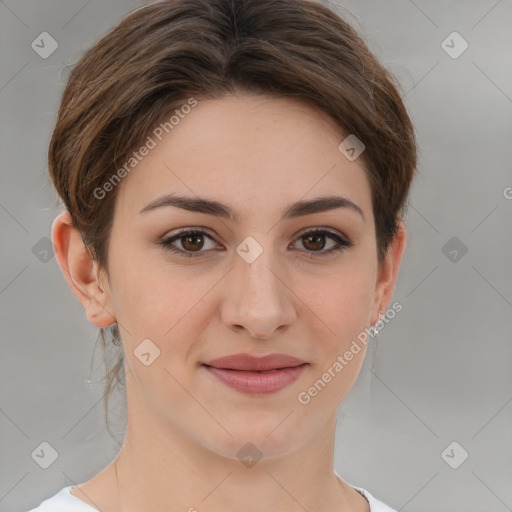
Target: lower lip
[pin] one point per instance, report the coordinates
(257, 383)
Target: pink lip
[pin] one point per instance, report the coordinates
(255, 375)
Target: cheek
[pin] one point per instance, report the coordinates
(163, 303)
(157, 299)
(343, 307)
(341, 300)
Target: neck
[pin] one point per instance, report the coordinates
(161, 468)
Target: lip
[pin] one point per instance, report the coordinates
(256, 375)
(249, 362)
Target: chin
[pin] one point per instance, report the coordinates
(273, 438)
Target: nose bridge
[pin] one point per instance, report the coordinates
(259, 299)
(259, 267)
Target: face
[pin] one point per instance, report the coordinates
(260, 283)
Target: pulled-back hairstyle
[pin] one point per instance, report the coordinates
(166, 52)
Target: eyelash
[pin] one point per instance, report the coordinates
(166, 242)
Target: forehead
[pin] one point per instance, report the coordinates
(251, 152)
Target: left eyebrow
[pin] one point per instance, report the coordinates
(211, 207)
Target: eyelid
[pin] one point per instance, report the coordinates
(186, 230)
(323, 229)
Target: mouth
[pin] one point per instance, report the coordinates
(256, 375)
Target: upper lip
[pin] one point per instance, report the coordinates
(249, 362)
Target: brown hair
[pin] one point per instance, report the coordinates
(164, 53)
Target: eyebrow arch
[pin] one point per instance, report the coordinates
(210, 207)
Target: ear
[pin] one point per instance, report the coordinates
(388, 273)
(81, 272)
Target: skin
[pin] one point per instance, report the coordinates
(185, 427)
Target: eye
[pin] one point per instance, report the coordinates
(315, 240)
(191, 241)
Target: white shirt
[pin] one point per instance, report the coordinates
(64, 501)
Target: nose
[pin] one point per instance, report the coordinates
(258, 297)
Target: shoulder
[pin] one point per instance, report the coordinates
(375, 504)
(63, 501)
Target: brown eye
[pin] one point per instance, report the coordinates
(191, 241)
(315, 241)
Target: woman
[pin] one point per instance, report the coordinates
(234, 175)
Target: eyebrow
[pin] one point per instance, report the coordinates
(211, 207)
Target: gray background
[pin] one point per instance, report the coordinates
(443, 366)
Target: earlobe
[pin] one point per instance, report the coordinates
(81, 271)
(388, 272)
